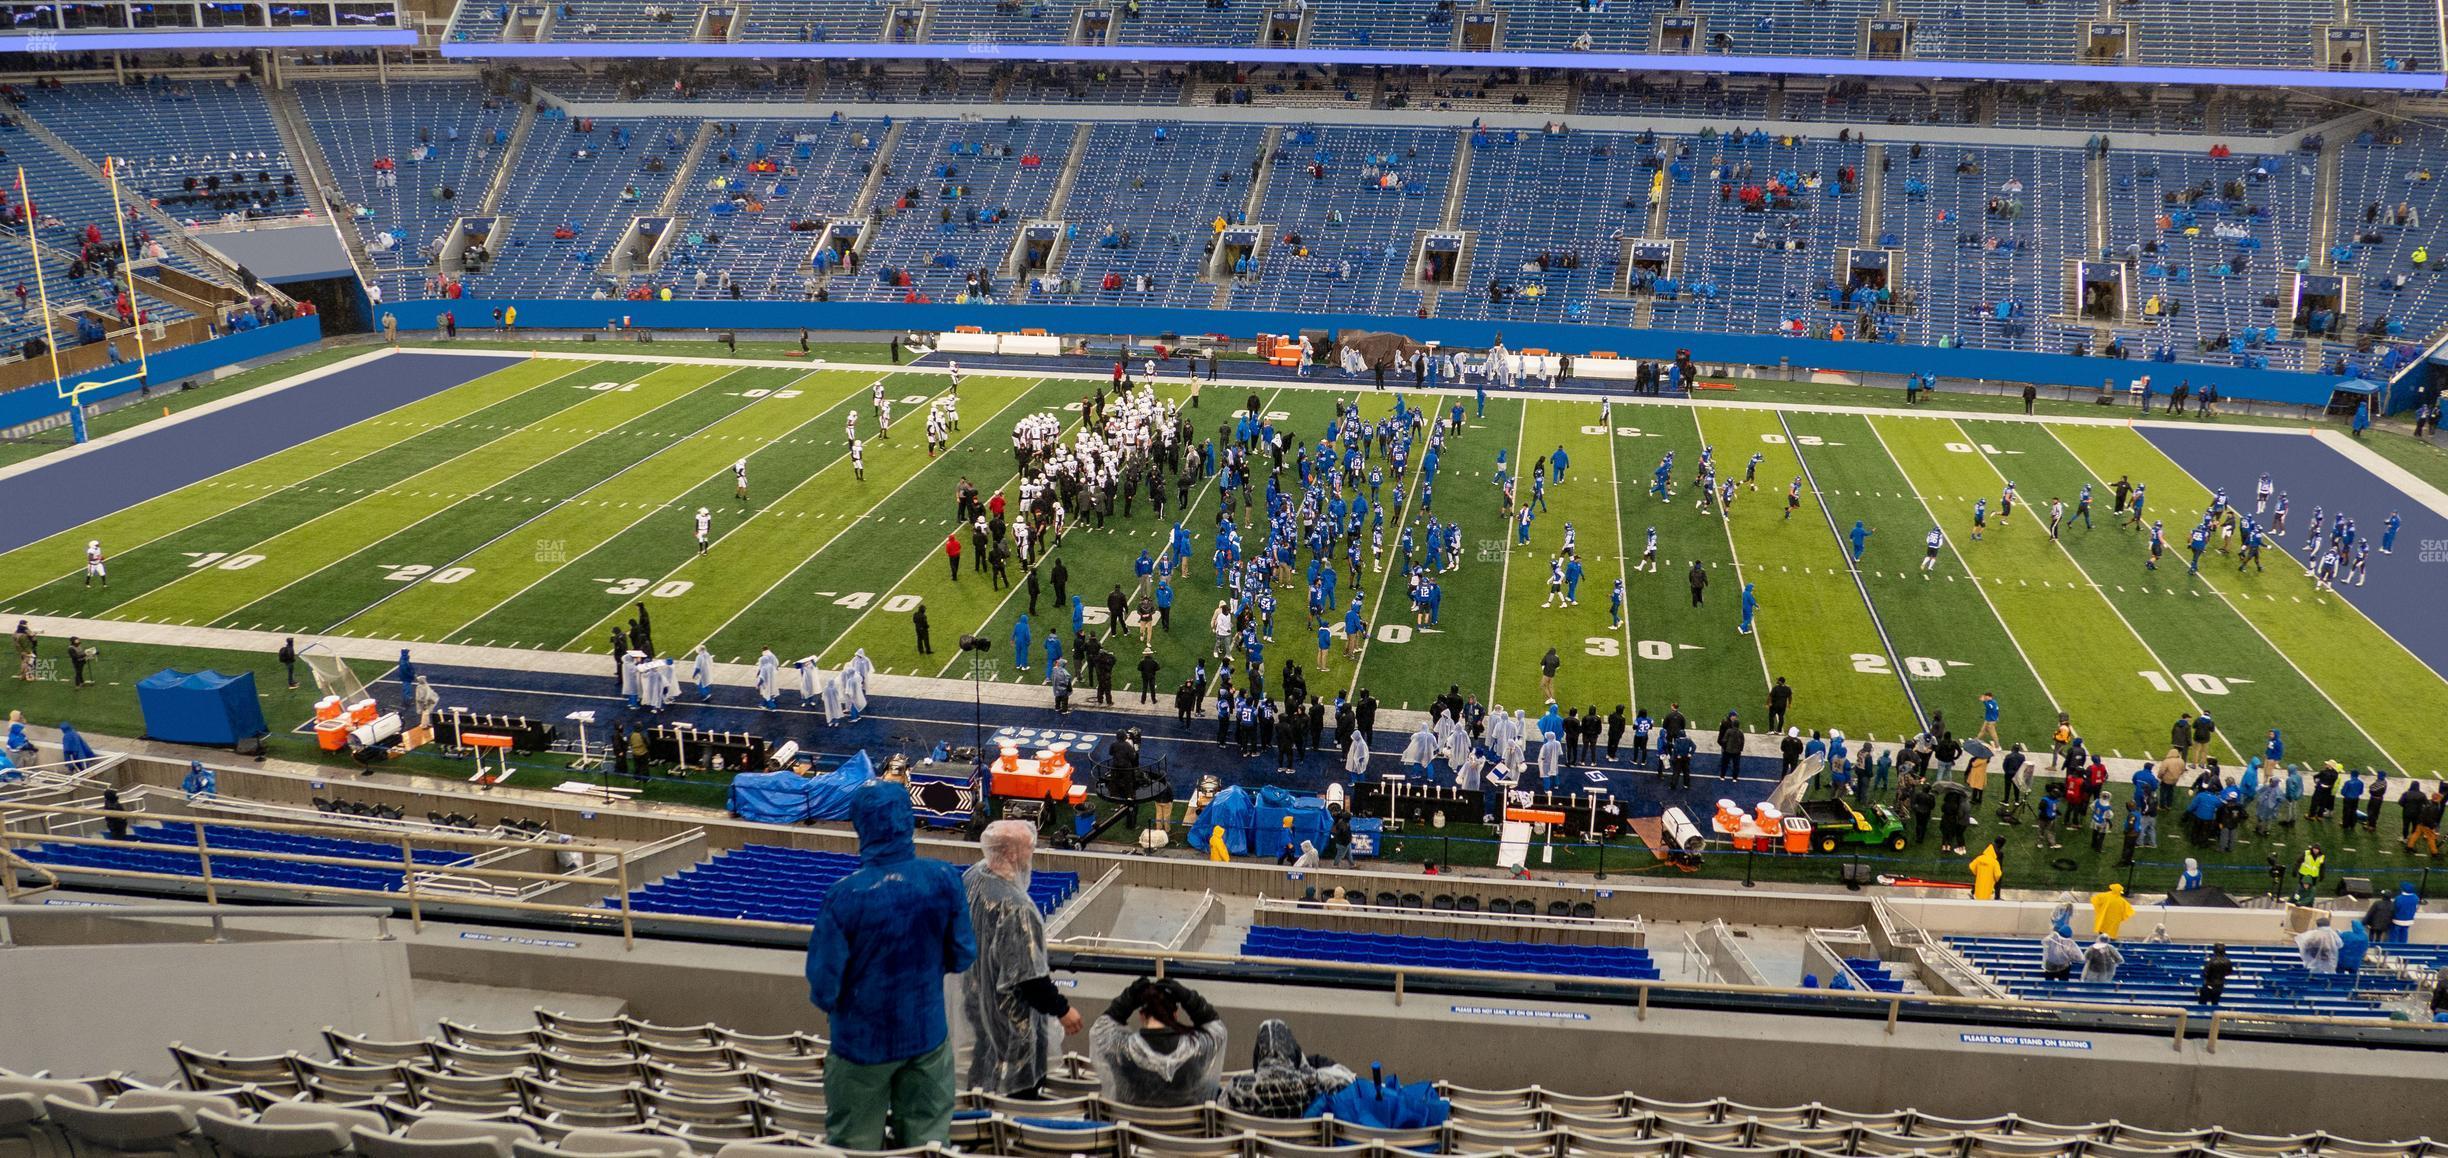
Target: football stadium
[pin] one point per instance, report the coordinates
(1069, 579)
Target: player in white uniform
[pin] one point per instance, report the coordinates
(858, 459)
(884, 419)
(739, 479)
(1648, 560)
(956, 378)
(1931, 544)
(93, 564)
(850, 427)
(875, 395)
(705, 529)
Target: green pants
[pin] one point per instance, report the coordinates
(915, 1092)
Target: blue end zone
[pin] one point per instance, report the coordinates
(2401, 592)
(81, 488)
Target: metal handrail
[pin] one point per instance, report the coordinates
(2179, 1020)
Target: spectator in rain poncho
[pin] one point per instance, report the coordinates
(18, 744)
(701, 672)
(768, 679)
(811, 683)
(1356, 756)
(2061, 918)
(424, 701)
(2100, 961)
(854, 682)
(2319, 946)
(1550, 761)
(8, 770)
(1158, 1044)
(2353, 945)
(200, 781)
(1282, 1081)
(2110, 910)
(1008, 998)
(887, 934)
(1420, 753)
(2059, 955)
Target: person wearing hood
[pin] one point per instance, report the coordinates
(1058, 678)
(1729, 748)
(2110, 910)
(2100, 961)
(2158, 935)
(1550, 762)
(1158, 1044)
(424, 700)
(2268, 797)
(1419, 755)
(1282, 1082)
(2059, 954)
(2061, 918)
(2319, 946)
(768, 679)
(2353, 945)
(1008, 998)
(1987, 869)
(2404, 907)
(2214, 975)
(876, 960)
(701, 672)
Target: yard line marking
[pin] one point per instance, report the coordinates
(1966, 564)
(2113, 609)
(1622, 557)
(928, 559)
(1726, 522)
(488, 444)
(1020, 663)
(1368, 628)
(437, 512)
(651, 510)
(1895, 662)
(268, 491)
(2256, 628)
(853, 399)
(838, 532)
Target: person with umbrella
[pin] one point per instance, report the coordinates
(1282, 1081)
(1158, 1044)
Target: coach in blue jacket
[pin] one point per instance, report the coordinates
(885, 938)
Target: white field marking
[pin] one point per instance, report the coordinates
(406, 527)
(269, 492)
(1966, 564)
(380, 492)
(1012, 591)
(838, 532)
(928, 559)
(2147, 649)
(2256, 628)
(1623, 552)
(1726, 522)
(854, 398)
(1377, 606)
(648, 509)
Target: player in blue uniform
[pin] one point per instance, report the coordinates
(1860, 537)
(2082, 507)
(1793, 496)
(2250, 554)
(2197, 542)
(1751, 470)
(1750, 608)
(1615, 605)
(1980, 518)
(2158, 547)
(1930, 544)
(2388, 534)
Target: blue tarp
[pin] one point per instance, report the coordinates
(789, 798)
(202, 707)
(1262, 822)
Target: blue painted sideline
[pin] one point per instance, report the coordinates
(85, 485)
(2400, 592)
(32, 403)
(1744, 349)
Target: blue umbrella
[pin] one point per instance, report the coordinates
(74, 749)
(407, 682)
(1384, 1103)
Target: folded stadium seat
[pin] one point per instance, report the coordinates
(443, 1136)
(474, 1062)
(1500, 906)
(775, 1150)
(26, 1125)
(615, 1047)
(287, 1130)
(1294, 1131)
(139, 1122)
(574, 1107)
(606, 1143)
(367, 1051)
(213, 1071)
(492, 1039)
(450, 1093)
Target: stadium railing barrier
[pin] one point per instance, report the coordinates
(24, 824)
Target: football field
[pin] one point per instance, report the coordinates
(534, 507)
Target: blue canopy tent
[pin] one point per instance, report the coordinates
(789, 798)
(204, 707)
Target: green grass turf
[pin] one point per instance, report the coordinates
(1813, 625)
(864, 352)
(2381, 688)
(440, 552)
(211, 595)
(2071, 632)
(168, 400)
(804, 522)
(1096, 560)
(1464, 647)
(2190, 630)
(2426, 460)
(1949, 638)
(156, 542)
(528, 509)
(1682, 655)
